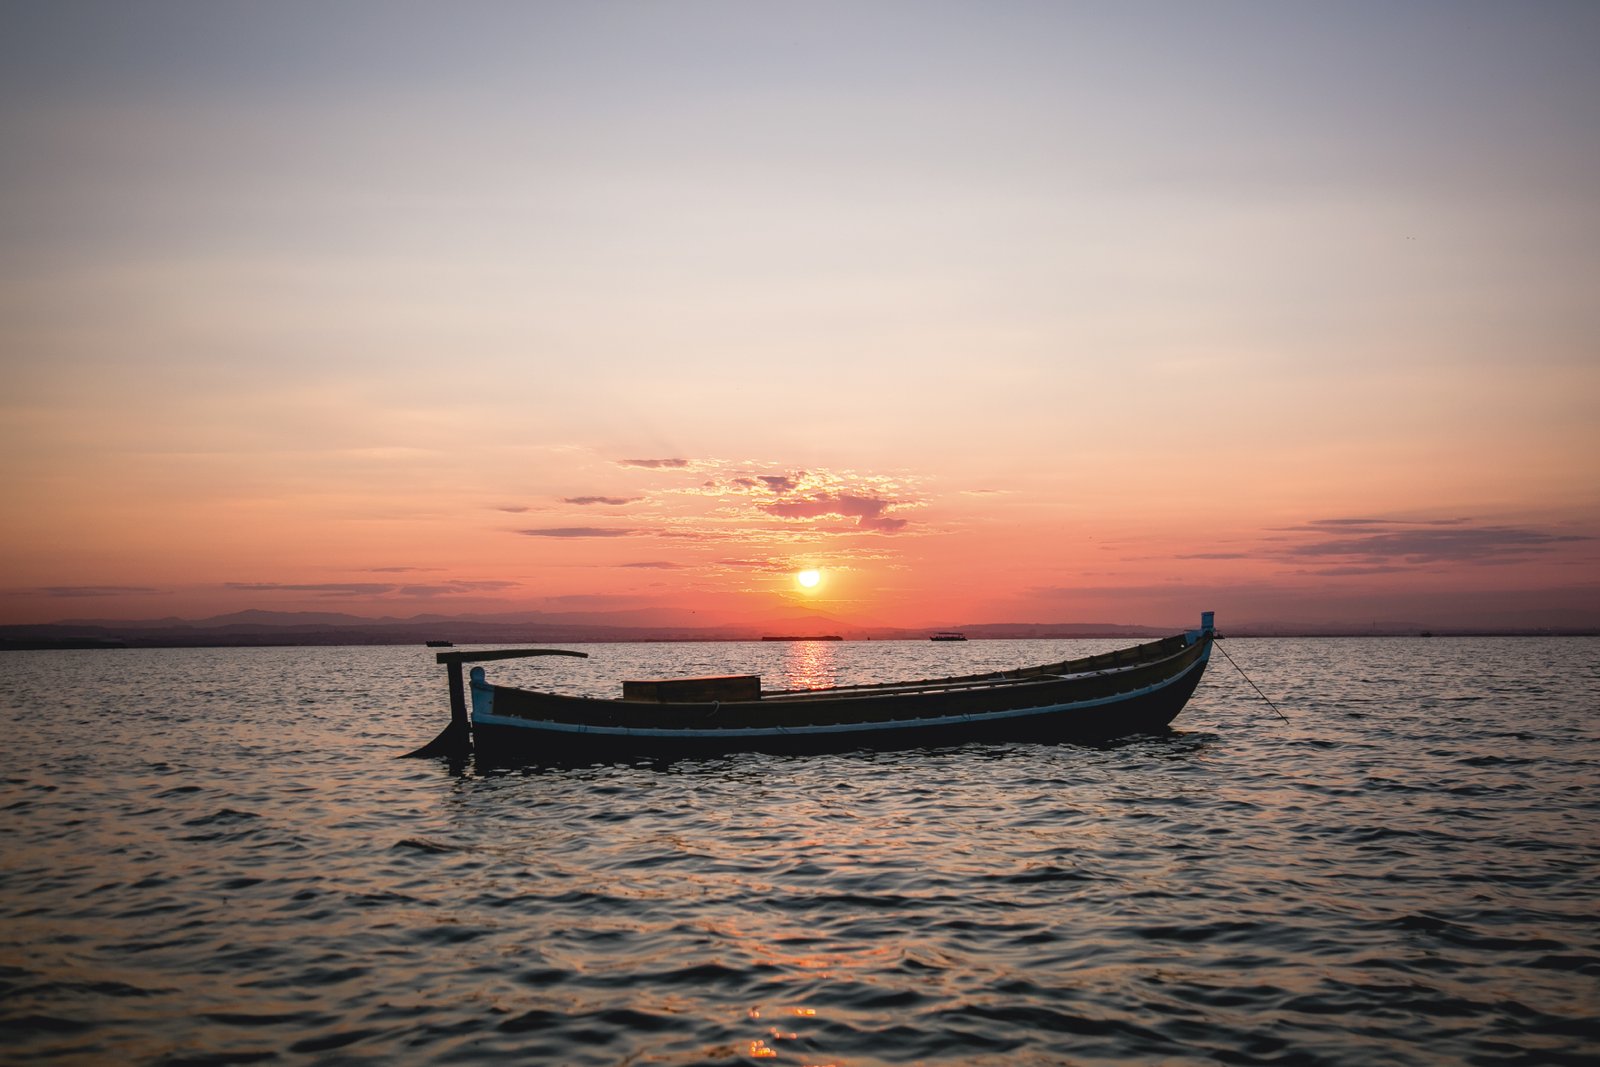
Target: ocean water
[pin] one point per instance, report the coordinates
(213, 856)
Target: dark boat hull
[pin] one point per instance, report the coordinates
(1131, 691)
(1140, 715)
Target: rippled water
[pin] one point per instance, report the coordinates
(211, 856)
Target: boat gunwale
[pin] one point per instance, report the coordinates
(1014, 676)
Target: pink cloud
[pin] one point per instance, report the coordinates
(868, 511)
(72, 591)
(320, 588)
(577, 531)
(452, 587)
(456, 587)
(1367, 543)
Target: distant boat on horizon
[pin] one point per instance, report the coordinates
(441, 644)
(803, 637)
(948, 635)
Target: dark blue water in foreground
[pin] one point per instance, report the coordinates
(211, 856)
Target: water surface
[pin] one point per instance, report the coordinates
(211, 856)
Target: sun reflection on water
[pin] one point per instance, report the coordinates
(810, 665)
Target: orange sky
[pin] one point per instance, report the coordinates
(1037, 314)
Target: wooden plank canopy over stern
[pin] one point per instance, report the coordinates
(458, 692)
(483, 655)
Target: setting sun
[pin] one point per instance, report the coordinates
(848, 260)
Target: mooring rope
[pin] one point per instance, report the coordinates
(1253, 685)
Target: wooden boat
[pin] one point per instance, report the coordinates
(1111, 694)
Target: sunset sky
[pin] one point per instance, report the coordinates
(990, 312)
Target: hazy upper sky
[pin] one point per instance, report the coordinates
(992, 311)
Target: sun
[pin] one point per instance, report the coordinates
(809, 579)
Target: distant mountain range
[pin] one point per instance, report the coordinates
(257, 627)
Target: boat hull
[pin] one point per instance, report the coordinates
(1133, 691)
